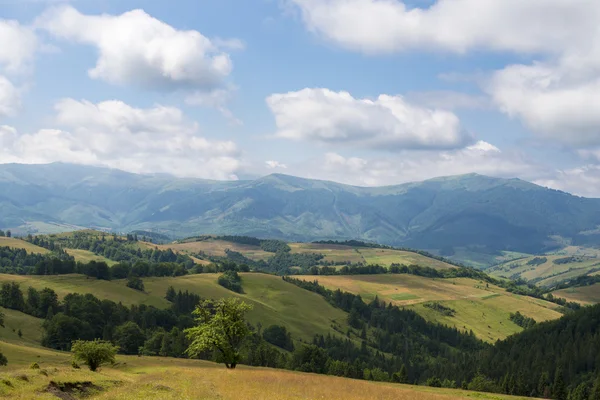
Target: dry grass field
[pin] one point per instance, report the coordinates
(21, 244)
(585, 295)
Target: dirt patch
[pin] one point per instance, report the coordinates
(72, 390)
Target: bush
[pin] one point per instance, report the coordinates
(434, 382)
(94, 353)
(135, 283)
(231, 280)
(34, 366)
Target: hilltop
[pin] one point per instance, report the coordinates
(471, 218)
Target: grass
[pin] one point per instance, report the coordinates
(484, 309)
(216, 248)
(275, 302)
(30, 327)
(585, 295)
(21, 244)
(135, 378)
(548, 273)
(85, 256)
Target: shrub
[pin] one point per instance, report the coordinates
(34, 366)
(94, 353)
(136, 283)
(231, 280)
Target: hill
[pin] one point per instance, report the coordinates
(466, 304)
(471, 217)
(585, 295)
(547, 270)
(169, 378)
(336, 254)
(275, 302)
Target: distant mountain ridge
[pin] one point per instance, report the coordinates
(473, 211)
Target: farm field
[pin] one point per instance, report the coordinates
(21, 244)
(485, 310)
(546, 273)
(585, 295)
(164, 378)
(275, 301)
(215, 248)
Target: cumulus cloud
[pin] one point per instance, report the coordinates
(153, 55)
(17, 46)
(9, 98)
(388, 122)
(379, 26)
(556, 96)
(114, 134)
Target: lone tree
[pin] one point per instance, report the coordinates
(94, 353)
(221, 327)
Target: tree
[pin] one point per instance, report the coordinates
(2, 234)
(135, 283)
(279, 336)
(221, 327)
(559, 389)
(170, 294)
(595, 393)
(94, 353)
(8, 234)
(3, 360)
(129, 337)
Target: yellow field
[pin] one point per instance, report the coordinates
(86, 256)
(21, 244)
(585, 295)
(178, 379)
(483, 309)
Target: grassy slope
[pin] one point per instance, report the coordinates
(552, 273)
(21, 244)
(86, 256)
(275, 301)
(167, 378)
(585, 295)
(335, 253)
(484, 310)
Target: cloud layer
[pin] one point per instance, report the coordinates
(114, 134)
(388, 122)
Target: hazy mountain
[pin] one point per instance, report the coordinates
(483, 213)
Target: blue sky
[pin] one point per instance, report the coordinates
(366, 92)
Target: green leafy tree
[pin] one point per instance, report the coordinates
(595, 392)
(94, 353)
(135, 283)
(581, 392)
(221, 327)
(559, 389)
(129, 337)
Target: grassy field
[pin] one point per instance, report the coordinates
(21, 244)
(548, 273)
(585, 295)
(332, 253)
(85, 256)
(275, 301)
(483, 309)
(134, 378)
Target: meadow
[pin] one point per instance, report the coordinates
(164, 378)
(275, 302)
(21, 244)
(483, 308)
(585, 295)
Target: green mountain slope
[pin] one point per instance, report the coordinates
(447, 215)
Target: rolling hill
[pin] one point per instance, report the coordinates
(470, 217)
(484, 309)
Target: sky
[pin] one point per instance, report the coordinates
(363, 92)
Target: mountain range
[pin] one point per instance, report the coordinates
(481, 213)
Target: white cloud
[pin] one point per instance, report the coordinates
(135, 48)
(409, 166)
(9, 98)
(583, 181)
(275, 164)
(379, 26)
(217, 99)
(388, 122)
(114, 134)
(556, 96)
(17, 46)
